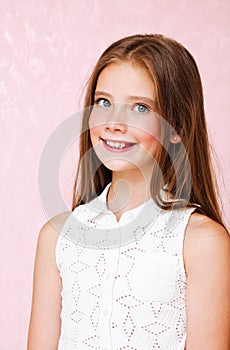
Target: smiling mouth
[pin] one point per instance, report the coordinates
(118, 145)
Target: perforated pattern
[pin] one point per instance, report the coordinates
(129, 297)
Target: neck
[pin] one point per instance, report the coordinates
(128, 190)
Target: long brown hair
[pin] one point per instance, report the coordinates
(179, 101)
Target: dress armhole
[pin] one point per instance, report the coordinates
(188, 212)
(57, 252)
(59, 245)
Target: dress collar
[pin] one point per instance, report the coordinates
(99, 206)
(94, 225)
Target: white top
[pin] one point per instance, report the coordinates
(123, 282)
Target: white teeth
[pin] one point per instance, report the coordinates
(117, 145)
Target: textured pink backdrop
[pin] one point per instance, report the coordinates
(48, 49)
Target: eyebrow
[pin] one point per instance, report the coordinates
(131, 98)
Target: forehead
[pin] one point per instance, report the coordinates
(126, 78)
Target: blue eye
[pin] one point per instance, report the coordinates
(103, 102)
(140, 108)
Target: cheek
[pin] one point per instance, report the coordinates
(96, 119)
(150, 142)
(94, 130)
(91, 121)
(155, 128)
(150, 132)
(94, 135)
(149, 137)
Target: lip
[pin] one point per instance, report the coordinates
(129, 145)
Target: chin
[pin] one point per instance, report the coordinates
(119, 165)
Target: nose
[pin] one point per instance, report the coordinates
(116, 127)
(116, 120)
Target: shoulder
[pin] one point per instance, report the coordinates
(201, 226)
(52, 228)
(49, 234)
(207, 265)
(205, 240)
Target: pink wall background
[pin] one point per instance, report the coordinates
(48, 48)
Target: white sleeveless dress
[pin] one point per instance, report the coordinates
(124, 282)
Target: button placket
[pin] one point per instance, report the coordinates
(105, 312)
(107, 283)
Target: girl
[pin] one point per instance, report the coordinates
(142, 261)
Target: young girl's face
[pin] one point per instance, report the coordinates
(124, 128)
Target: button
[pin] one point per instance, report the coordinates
(108, 275)
(105, 312)
(130, 216)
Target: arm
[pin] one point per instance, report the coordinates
(207, 262)
(44, 328)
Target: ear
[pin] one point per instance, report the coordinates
(174, 138)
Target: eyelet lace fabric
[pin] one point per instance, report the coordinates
(123, 294)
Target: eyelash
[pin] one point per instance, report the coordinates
(136, 104)
(142, 105)
(100, 99)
